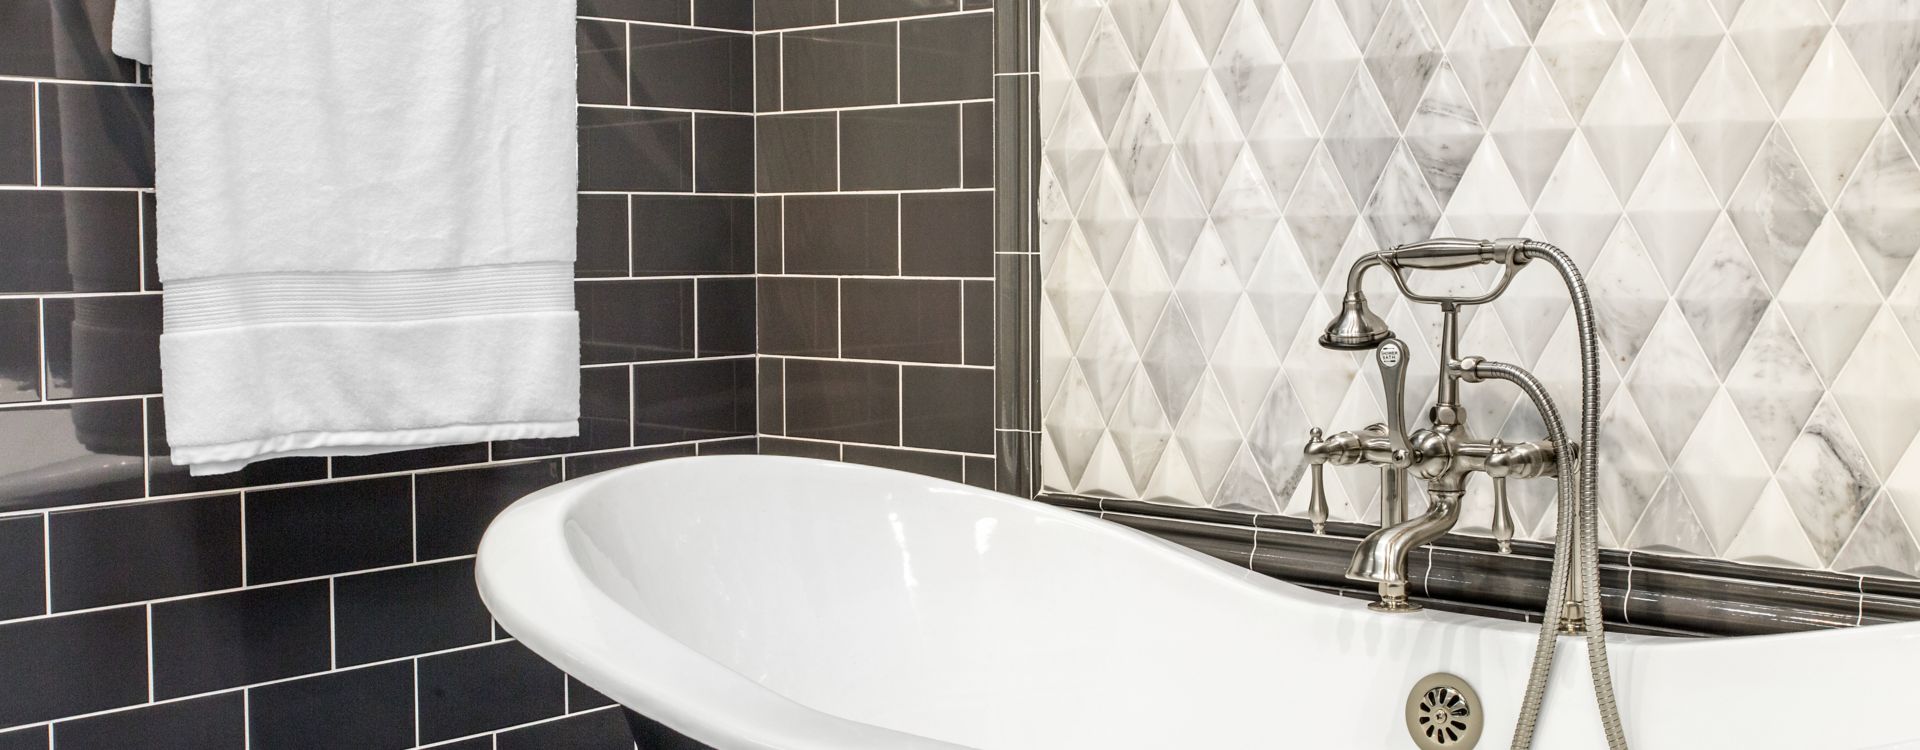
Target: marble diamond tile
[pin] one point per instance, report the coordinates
(1736, 176)
(1884, 36)
(1831, 116)
(1675, 39)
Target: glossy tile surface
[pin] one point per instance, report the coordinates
(1736, 179)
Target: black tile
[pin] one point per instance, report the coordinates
(483, 742)
(774, 446)
(724, 14)
(635, 320)
(216, 722)
(840, 66)
(96, 136)
(323, 529)
(361, 709)
(771, 396)
(454, 507)
(842, 234)
(742, 446)
(225, 640)
(19, 350)
(915, 320)
(16, 133)
(1013, 171)
(603, 62)
(946, 234)
(726, 317)
(103, 346)
(703, 400)
(69, 240)
(867, 10)
(76, 664)
(67, 39)
(165, 478)
(799, 316)
(661, 11)
(594, 463)
(23, 583)
(602, 237)
(104, 437)
(636, 150)
(389, 614)
(940, 465)
(581, 698)
(900, 148)
(605, 729)
(605, 418)
(976, 145)
(1017, 33)
(723, 152)
(410, 460)
(149, 243)
(946, 58)
(486, 688)
(948, 408)
(31, 738)
(769, 226)
(766, 73)
(130, 553)
(853, 401)
(977, 331)
(681, 235)
(797, 153)
(687, 68)
(978, 471)
(786, 14)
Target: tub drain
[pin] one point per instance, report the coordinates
(1443, 713)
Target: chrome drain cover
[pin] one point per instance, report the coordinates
(1443, 713)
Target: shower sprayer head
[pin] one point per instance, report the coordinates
(1356, 328)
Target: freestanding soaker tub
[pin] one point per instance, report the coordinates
(762, 602)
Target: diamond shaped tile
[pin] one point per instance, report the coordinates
(1722, 471)
(1245, 215)
(1074, 426)
(1210, 143)
(1827, 481)
(1444, 14)
(1140, 144)
(1283, 137)
(1320, 376)
(1174, 69)
(1723, 299)
(1210, 22)
(1881, 209)
(1633, 466)
(1578, 43)
(1626, 123)
(1884, 36)
(1108, 218)
(1577, 207)
(1075, 287)
(1488, 201)
(1277, 436)
(1281, 291)
(1076, 149)
(1777, 40)
(1072, 22)
(1673, 373)
(1173, 481)
(1444, 134)
(1675, 39)
(1244, 489)
(1174, 216)
(1402, 57)
(1106, 357)
(1208, 436)
(1882, 545)
(1107, 75)
(1627, 295)
(1774, 385)
(1283, 19)
(1246, 65)
(1140, 288)
(1320, 214)
(1532, 128)
(1402, 209)
(1674, 208)
(1830, 300)
(1323, 60)
(1832, 116)
(1486, 50)
(1725, 119)
(1208, 290)
(1532, 14)
(1173, 361)
(1138, 22)
(1772, 535)
(1360, 137)
(1670, 525)
(1245, 364)
(1875, 391)
(1776, 208)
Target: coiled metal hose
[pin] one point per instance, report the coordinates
(1578, 522)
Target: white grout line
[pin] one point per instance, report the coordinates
(38, 147)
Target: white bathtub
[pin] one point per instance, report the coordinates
(761, 602)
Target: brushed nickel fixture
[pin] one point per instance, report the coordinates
(1443, 713)
(1446, 454)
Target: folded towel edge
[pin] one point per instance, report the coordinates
(226, 458)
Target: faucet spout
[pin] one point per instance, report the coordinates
(1382, 556)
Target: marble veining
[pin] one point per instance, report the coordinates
(1738, 177)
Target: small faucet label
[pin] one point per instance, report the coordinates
(1390, 354)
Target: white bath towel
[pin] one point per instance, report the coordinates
(366, 222)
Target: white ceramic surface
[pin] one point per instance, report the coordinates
(763, 602)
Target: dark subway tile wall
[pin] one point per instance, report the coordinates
(876, 233)
(292, 603)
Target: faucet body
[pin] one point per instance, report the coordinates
(1445, 454)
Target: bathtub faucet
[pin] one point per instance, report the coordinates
(1443, 455)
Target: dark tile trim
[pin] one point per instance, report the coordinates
(1639, 592)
